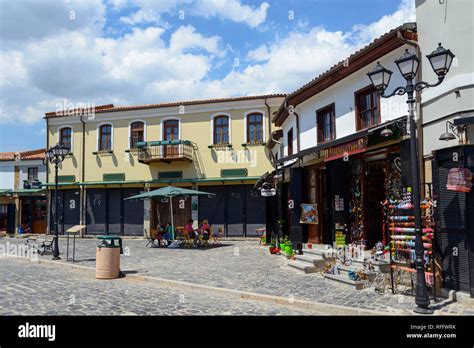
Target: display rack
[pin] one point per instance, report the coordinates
(401, 236)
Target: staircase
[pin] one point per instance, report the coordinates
(312, 260)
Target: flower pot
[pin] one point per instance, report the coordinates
(282, 246)
(310, 246)
(288, 249)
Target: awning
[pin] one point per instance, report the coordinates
(340, 141)
(49, 184)
(26, 192)
(111, 182)
(465, 119)
(4, 191)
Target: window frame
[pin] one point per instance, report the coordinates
(319, 114)
(247, 126)
(60, 131)
(130, 132)
(376, 118)
(215, 126)
(290, 143)
(28, 173)
(99, 137)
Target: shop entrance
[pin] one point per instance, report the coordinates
(374, 195)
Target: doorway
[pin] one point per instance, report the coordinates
(171, 132)
(374, 194)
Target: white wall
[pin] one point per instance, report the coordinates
(7, 175)
(24, 165)
(342, 95)
(450, 23)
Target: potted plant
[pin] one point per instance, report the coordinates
(288, 247)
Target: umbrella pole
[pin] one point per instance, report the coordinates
(172, 222)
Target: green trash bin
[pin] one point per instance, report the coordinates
(108, 257)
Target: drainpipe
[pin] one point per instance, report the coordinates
(419, 113)
(82, 189)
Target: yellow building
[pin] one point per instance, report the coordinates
(116, 152)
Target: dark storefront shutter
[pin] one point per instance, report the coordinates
(71, 209)
(235, 196)
(11, 212)
(453, 227)
(255, 211)
(95, 211)
(132, 213)
(213, 209)
(114, 207)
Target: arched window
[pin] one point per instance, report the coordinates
(105, 137)
(65, 136)
(221, 130)
(137, 133)
(254, 128)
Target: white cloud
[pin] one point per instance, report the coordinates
(153, 64)
(151, 11)
(233, 10)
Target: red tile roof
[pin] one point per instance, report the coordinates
(24, 155)
(112, 108)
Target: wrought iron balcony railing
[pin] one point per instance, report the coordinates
(165, 151)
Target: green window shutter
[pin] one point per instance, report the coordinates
(66, 178)
(238, 172)
(114, 177)
(170, 175)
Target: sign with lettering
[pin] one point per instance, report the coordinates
(347, 149)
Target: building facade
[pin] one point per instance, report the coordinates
(449, 109)
(331, 153)
(22, 198)
(215, 146)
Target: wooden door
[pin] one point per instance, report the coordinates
(171, 132)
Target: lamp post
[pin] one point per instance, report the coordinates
(56, 155)
(408, 64)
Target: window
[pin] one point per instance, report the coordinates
(137, 132)
(105, 137)
(221, 130)
(367, 104)
(33, 174)
(290, 142)
(65, 136)
(254, 128)
(325, 120)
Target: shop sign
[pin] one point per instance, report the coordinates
(268, 192)
(459, 180)
(347, 149)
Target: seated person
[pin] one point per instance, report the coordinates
(205, 230)
(192, 233)
(167, 232)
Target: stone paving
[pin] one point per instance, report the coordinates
(244, 265)
(29, 288)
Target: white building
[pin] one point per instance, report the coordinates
(22, 199)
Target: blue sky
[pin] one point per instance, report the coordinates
(149, 51)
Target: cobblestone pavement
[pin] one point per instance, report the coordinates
(29, 288)
(244, 265)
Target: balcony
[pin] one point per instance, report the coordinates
(165, 151)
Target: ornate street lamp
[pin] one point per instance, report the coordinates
(56, 155)
(408, 64)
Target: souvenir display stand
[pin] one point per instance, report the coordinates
(400, 225)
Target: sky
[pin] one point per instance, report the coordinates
(61, 53)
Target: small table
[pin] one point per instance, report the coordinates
(74, 230)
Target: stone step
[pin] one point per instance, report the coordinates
(346, 269)
(319, 246)
(306, 267)
(379, 266)
(311, 259)
(324, 253)
(344, 279)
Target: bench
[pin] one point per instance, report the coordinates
(43, 245)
